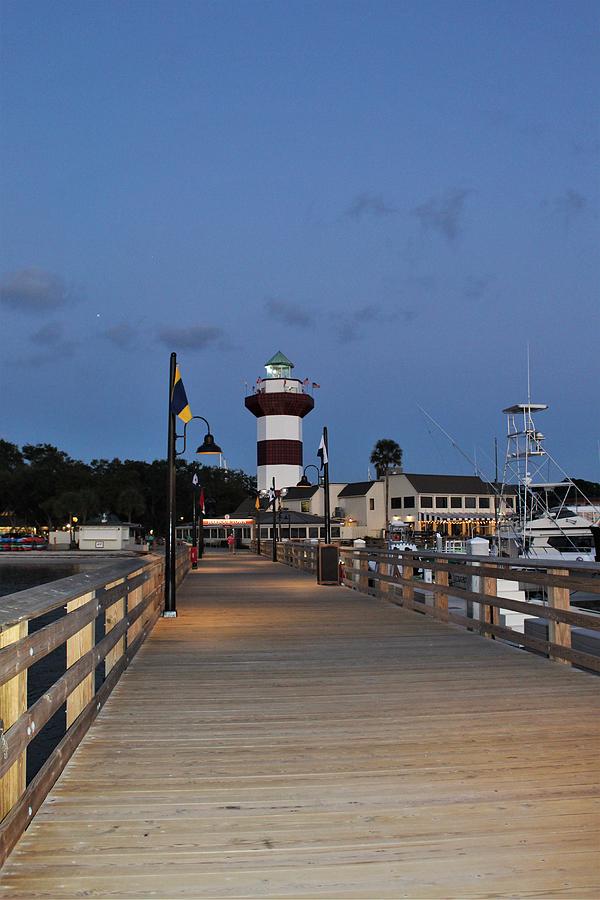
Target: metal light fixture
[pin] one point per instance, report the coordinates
(304, 482)
(208, 445)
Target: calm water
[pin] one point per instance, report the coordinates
(20, 576)
(41, 675)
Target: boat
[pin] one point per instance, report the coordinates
(553, 518)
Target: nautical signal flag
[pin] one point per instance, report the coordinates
(257, 502)
(201, 504)
(322, 452)
(179, 401)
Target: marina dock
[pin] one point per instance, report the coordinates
(285, 739)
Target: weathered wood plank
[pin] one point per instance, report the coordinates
(280, 739)
(13, 702)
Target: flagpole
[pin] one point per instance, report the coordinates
(170, 610)
(326, 487)
(195, 521)
(201, 524)
(274, 522)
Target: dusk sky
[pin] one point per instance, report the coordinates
(398, 196)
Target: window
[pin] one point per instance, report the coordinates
(409, 503)
(335, 531)
(426, 502)
(441, 503)
(305, 506)
(371, 503)
(456, 502)
(484, 503)
(470, 502)
(396, 503)
(510, 502)
(264, 533)
(313, 532)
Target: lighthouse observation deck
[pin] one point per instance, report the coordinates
(280, 397)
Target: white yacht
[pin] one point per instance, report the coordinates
(545, 525)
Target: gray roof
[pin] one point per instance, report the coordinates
(357, 489)
(301, 493)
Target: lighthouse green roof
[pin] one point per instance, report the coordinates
(279, 360)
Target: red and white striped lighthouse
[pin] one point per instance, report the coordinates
(279, 403)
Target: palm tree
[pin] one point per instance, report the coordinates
(386, 455)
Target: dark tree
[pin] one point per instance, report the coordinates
(385, 456)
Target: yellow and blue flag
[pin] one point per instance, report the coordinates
(179, 400)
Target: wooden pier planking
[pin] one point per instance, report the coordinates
(281, 739)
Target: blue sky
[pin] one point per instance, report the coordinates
(399, 196)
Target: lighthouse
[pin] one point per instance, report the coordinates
(279, 403)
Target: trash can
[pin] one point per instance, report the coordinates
(328, 561)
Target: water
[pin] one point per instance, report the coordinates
(19, 577)
(41, 675)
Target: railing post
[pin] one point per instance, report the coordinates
(363, 576)
(559, 632)
(78, 646)
(13, 703)
(133, 598)
(487, 612)
(408, 570)
(440, 599)
(112, 616)
(383, 587)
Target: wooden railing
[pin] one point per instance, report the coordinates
(292, 553)
(426, 581)
(107, 616)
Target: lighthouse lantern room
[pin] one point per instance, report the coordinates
(279, 402)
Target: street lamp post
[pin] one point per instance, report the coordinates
(195, 521)
(304, 482)
(325, 458)
(201, 524)
(208, 446)
(257, 520)
(274, 502)
(274, 496)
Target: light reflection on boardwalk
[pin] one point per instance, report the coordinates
(280, 739)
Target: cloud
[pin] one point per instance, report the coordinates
(52, 344)
(570, 206)
(194, 337)
(369, 205)
(122, 335)
(353, 325)
(444, 214)
(289, 313)
(475, 288)
(33, 291)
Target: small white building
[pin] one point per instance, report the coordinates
(107, 532)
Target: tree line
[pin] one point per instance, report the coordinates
(41, 485)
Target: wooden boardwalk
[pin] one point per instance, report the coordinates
(280, 739)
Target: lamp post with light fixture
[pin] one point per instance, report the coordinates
(208, 446)
(274, 495)
(305, 483)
